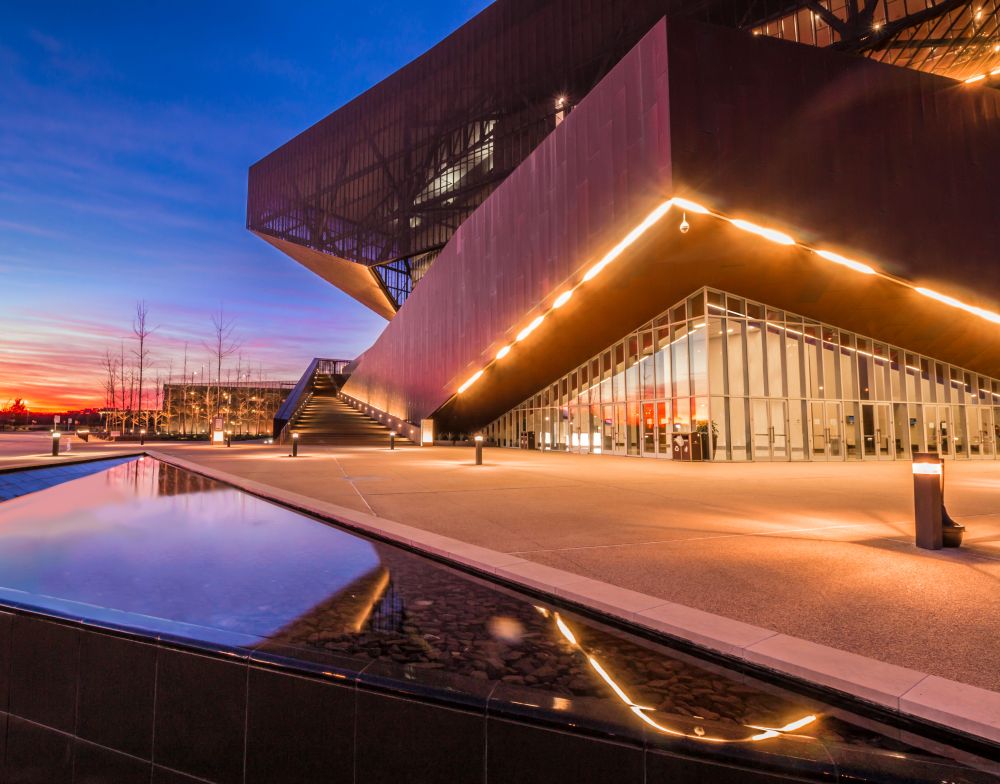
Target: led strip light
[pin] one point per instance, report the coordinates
(763, 733)
(772, 235)
(980, 77)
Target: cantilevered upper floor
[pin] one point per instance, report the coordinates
(369, 196)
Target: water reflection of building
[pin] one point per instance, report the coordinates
(171, 480)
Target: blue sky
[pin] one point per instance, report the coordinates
(126, 131)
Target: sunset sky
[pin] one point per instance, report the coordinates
(126, 131)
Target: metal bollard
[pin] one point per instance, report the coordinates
(295, 444)
(55, 443)
(392, 439)
(479, 450)
(927, 500)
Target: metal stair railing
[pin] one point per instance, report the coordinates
(302, 393)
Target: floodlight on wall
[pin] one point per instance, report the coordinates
(563, 298)
(773, 235)
(836, 258)
(690, 206)
(769, 234)
(470, 381)
(530, 328)
(955, 303)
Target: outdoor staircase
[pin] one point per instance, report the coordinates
(326, 419)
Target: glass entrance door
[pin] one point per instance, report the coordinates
(769, 421)
(621, 425)
(981, 432)
(876, 424)
(649, 430)
(987, 420)
(938, 429)
(663, 430)
(607, 429)
(827, 431)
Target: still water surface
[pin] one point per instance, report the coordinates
(149, 547)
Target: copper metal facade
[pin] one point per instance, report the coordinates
(884, 164)
(955, 38)
(386, 180)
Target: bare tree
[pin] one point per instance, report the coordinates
(223, 345)
(186, 391)
(142, 332)
(121, 385)
(111, 384)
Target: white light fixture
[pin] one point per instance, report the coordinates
(768, 234)
(836, 258)
(530, 328)
(563, 298)
(471, 380)
(503, 352)
(690, 206)
(955, 303)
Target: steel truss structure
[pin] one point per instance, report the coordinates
(386, 180)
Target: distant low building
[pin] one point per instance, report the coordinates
(247, 407)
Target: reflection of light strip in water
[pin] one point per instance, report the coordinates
(376, 596)
(640, 710)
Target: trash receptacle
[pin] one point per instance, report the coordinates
(681, 446)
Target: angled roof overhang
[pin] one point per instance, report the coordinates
(890, 167)
(355, 280)
(662, 265)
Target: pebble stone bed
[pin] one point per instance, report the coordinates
(433, 618)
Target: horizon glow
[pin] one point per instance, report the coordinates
(124, 151)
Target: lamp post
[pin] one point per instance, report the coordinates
(295, 444)
(479, 449)
(55, 443)
(927, 500)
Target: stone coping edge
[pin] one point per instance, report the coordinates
(952, 705)
(47, 461)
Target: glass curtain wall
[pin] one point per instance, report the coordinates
(719, 377)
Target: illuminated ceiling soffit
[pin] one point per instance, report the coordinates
(355, 280)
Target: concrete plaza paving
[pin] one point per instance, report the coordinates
(822, 552)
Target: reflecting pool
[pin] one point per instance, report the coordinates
(147, 547)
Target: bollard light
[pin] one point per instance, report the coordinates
(55, 443)
(142, 437)
(927, 500)
(295, 444)
(229, 438)
(392, 439)
(479, 450)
